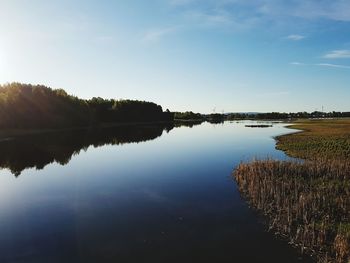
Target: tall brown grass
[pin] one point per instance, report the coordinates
(307, 202)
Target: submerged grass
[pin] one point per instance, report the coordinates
(306, 202)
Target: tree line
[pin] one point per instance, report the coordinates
(38, 106)
(220, 117)
(190, 116)
(283, 115)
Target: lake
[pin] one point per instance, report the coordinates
(135, 194)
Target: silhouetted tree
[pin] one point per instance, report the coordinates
(36, 106)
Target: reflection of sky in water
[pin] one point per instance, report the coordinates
(174, 191)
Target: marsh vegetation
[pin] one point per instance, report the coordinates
(320, 138)
(306, 202)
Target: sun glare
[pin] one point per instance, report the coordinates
(2, 65)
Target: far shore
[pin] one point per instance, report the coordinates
(6, 134)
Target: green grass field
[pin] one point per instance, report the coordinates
(320, 139)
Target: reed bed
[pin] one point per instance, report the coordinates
(306, 202)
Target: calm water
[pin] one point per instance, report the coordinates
(137, 194)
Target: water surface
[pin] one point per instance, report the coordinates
(135, 194)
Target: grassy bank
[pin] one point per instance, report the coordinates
(308, 203)
(320, 138)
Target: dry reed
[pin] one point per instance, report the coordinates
(307, 202)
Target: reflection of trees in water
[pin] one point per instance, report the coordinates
(36, 151)
(189, 124)
(192, 123)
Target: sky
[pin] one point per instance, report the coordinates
(200, 55)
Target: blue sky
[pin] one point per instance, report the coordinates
(227, 55)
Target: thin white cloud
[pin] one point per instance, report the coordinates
(321, 65)
(332, 65)
(219, 17)
(208, 18)
(338, 10)
(297, 63)
(262, 12)
(344, 53)
(295, 37)
(155, 35)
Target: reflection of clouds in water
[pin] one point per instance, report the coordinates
(155, 196)
(179, 209)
